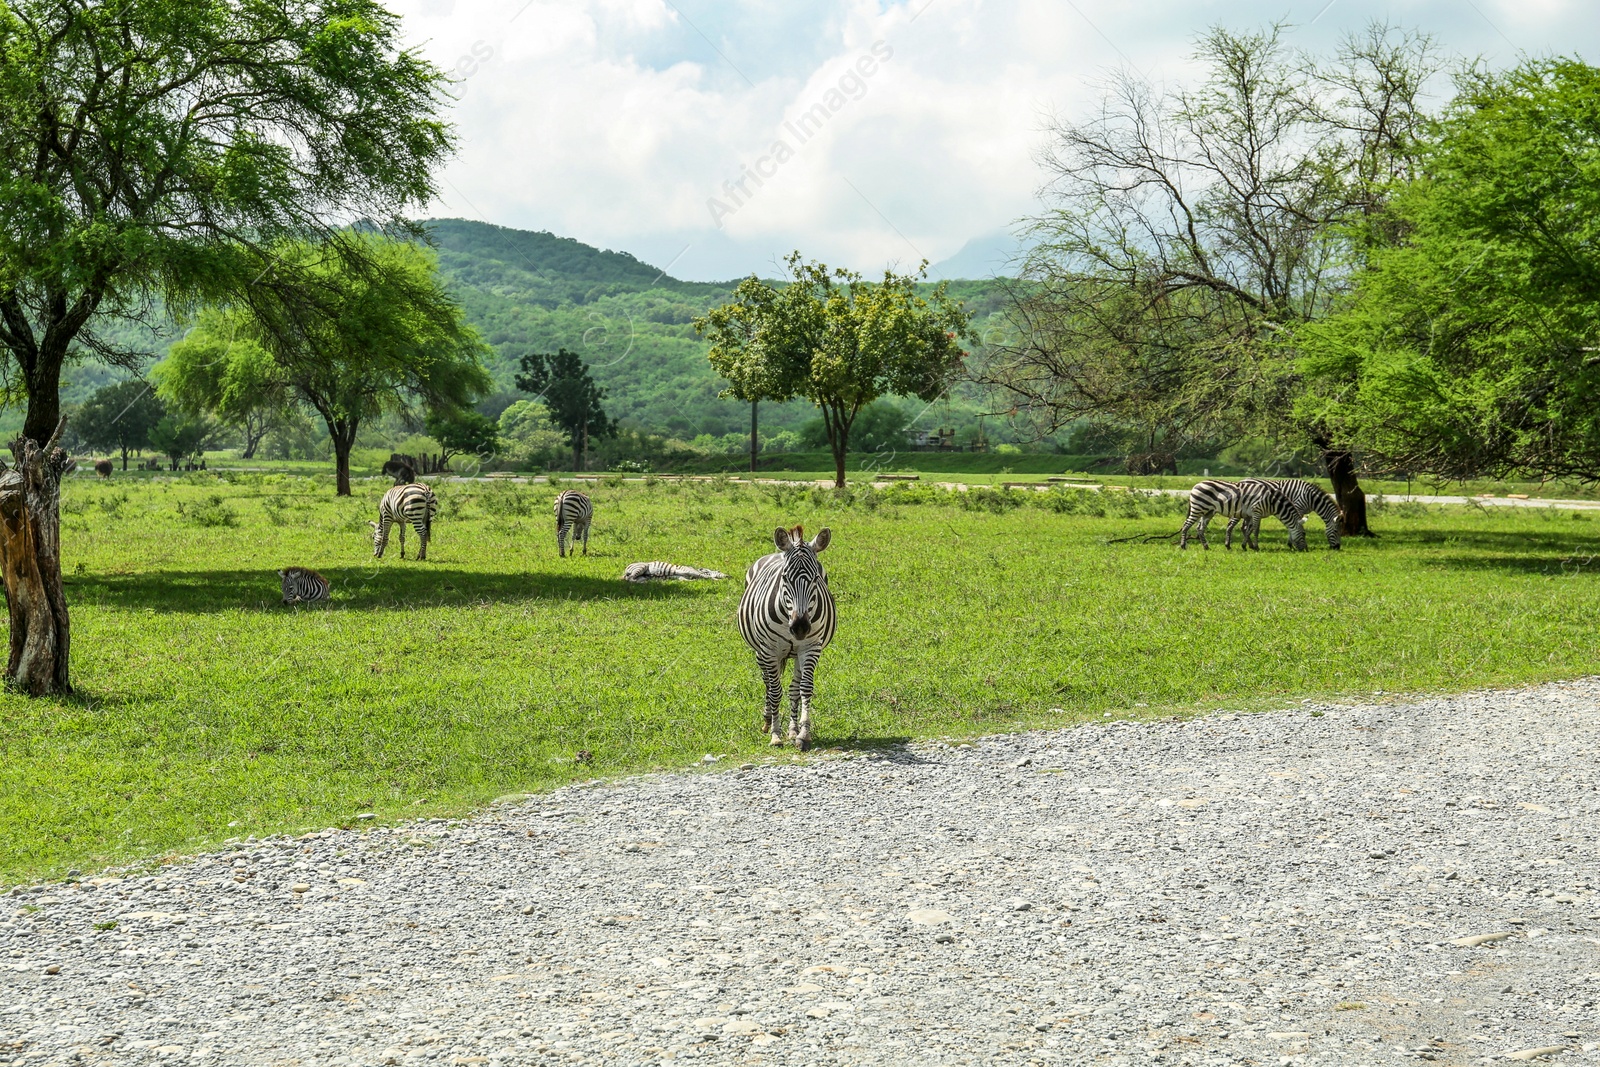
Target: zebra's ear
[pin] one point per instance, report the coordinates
(820, 542)
(780, 537)
(282, 575)
(372, 524)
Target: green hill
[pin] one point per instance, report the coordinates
(535, 292)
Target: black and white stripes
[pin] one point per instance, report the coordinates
(1292, 499)
(1231, 500)
(787, 613)
(413, 504)
(658, 571)
(1249, 499)
(302, 585)
(574, 512)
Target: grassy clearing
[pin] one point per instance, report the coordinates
(208, 710)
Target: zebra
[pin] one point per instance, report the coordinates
(1291, 500)
(302, 585)
(787, 613)
(656, 571)
(574, 511)
(412, 503)
(1215, 497)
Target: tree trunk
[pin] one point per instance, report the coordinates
(124, 459)
(30, 560)
(755, 440)
(343, 435)
(838, 429)
(1347, 491)
(254, 431)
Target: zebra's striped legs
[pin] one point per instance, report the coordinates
(422, 535)
(1194, 521)
(402, 524)
(561, 539)
(772, 676)
(800, 692)
(585, 539)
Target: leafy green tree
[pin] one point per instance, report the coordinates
(1468, 347)
(734, 329)
(840, 342)
(461, 430)
(121, 417)
(157, 148)
(366, 327)
(179, 436)
(216, 370)
(527, 432)
(575, 403)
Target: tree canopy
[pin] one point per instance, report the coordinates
(1471, 343)
(218, 369)
(573, 400)
(1190, 229)
(120, 417)
(158, 149)
(355, 326)
(837, 340)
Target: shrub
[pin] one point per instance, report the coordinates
(214, 511)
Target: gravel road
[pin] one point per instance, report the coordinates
(1365, 884)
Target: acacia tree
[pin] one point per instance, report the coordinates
(217, 370)
(360, 324)
(1189, 232)
(1469, 345)
(154, 148)
(573, 399)
(120, 416)
(839, 341)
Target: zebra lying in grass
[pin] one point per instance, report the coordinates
(1292, 500)
(787, 613)
(656, 571)
(574, 512)
(301, 585)
(413, 503)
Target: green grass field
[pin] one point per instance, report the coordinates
(207, 710)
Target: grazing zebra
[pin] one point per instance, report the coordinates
(657, 571)
(787, 613)
(1292, 499)
(301, 585)
(412, 503)
(1236, 500)
(573, 515)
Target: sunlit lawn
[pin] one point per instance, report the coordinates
(206, 709)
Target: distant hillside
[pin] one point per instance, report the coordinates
(535, 292)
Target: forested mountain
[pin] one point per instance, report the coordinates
(535, 292)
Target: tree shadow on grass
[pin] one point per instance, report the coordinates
(1556, 551)
(390, 588)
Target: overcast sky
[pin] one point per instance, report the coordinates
(627, 123)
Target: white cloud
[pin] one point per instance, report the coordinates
(615, 121)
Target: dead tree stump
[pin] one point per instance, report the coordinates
(30, 564)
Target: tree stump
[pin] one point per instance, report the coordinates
(30, 564)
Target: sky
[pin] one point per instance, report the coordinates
(677, 130)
